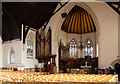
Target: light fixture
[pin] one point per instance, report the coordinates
(64, 15)
(81, 47)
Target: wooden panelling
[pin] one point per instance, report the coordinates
(78, 21)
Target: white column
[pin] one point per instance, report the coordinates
(1, 53)
(119, 35)
(1, 50)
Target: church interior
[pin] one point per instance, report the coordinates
(60, 42)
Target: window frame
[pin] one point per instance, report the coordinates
(87, 46)
(75, 55)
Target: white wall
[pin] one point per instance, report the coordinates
(119, 35)
(6, 53)
(1, 55)
(28, 62)
(20, 50)
(108, 21)
(63, 36)
(67, 37)
(77, 37)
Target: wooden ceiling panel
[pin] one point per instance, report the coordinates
(78, 21)
(32, 14)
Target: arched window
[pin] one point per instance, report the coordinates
(29, 46)
(12, 56)
(89, 48)
(73, 49)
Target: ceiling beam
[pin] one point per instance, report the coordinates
(25, 32)
(60, 8)
(60, 3)
(54, 14)
(32, 16)
(116, 9)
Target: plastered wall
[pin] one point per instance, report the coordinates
(6, 53)
(108, 39)
(20, 50)
(29, 62)
(67, 37)
(119, 35)
(1, 55)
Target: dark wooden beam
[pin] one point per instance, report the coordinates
(45, 25)
(25, 32)
(110, 4)
(20, 32)
(60, 3)
(60, 8)
(11, 17)
(32, 16)
(36, 44)
(54, 14)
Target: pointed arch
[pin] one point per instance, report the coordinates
(12, 56)
(61, 20)
(93, 16)
(89, 40)
(89, 49)
(74, 40)
(30, 45)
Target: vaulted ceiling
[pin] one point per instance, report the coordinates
(78, 21)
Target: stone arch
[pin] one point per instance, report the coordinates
(114, 62)
(89, 10)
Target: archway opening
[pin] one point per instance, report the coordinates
(80, 23)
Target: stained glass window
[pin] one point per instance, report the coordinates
(73, 49)
(29, 47)
(89, 48)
